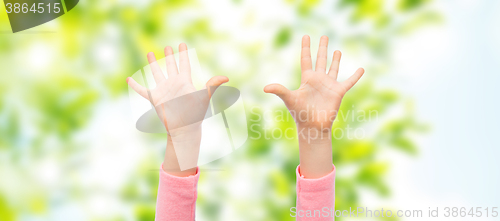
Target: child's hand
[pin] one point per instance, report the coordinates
(314, 106)
(316, 102)
(179, 83)
(177, 117)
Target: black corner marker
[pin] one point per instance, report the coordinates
(26, 14)
(70, 4)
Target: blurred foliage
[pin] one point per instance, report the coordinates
(54, 85)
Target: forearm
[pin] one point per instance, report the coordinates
(177, 190)
(315, 177)
(176, 198)
(187, 147)
(315, 194)
(315, 154)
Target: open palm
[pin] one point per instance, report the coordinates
(178, 85)
(316, 102)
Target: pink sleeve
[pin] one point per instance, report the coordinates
(315, 197)
(176, 198)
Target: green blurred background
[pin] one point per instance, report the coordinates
(68, 147)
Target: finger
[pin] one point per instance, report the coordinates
(171, 65)
(351, 81)
(334, 68)
(155, 68)
(137, 87)
(305, 60)
(279, 90)
(322, 54)
(184, 67)
(214, 83)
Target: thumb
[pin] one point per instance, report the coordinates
(277, 89)
(351, 81)
(214, 83)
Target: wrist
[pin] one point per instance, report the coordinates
(314, 135)
(186, 132)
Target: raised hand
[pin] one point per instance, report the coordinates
(185, 137)
(314, 105)
(319, 94)
(179, 83)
